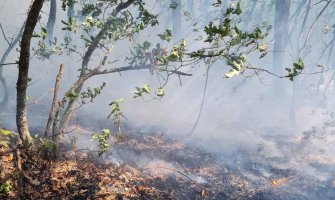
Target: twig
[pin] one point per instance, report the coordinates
(202, 104)
(4, 64)
(179, 172)
(4, 35)
(42, 77)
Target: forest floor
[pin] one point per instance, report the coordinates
(143, 165)
(164, 169)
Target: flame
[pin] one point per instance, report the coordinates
(279, 181)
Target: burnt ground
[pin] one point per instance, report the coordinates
(142, 165)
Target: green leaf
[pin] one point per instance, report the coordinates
(160, 92)
(232, 73)
(44, 33)
(71, 95)
(146, 89)
(167, 35)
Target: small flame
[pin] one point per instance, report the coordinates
(279, 181)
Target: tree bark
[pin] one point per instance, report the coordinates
(22, 82)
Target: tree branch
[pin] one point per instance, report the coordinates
(129, 68)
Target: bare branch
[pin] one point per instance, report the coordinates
(4, 35)
(129, 68)
(4, 64)
(316, 19)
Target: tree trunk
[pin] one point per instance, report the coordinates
(250, 14)
(205, 11)
(22, 82)
(11, 46)
(281, 26)
(176, 21)
(190, 7)
(224, 6)
(51, 21)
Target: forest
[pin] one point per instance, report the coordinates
(173, 99)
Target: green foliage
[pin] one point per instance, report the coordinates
(5, 137)
(237, 66)
(140, 91)
(167, 35)
(68, 3)
(44, 51)
(297, 69)
(47, 149)
(70, 25)
(46, 48)
(234, 10)
(139, 54)
(102, 139)
(71, 95)
(5, 133)
(43, 34)
(227, 42)
(145, 16)
(6, 187)
(90, 94)
(67, 45)
(174, 5)
(217, 3)
(92, 9)
(160, 92)
(116, 111)
(177, 53)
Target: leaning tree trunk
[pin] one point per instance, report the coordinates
(22, 81)
(51, 21)
(281, 26)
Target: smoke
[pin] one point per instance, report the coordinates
(242, 121)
